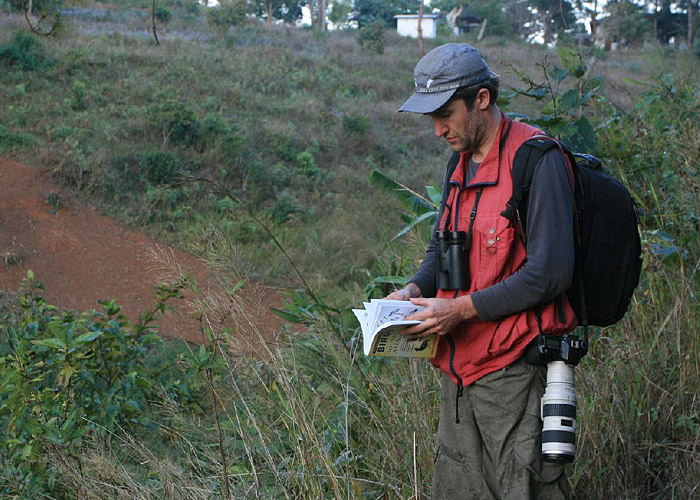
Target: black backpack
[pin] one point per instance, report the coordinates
(608, 247)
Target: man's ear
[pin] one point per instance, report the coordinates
(483, 99)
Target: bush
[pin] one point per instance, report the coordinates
(356, 124)
(176, 122)
(12, 141)
(371, 38)
(77, 96)
(159, 167)
(225, 16)
(306, 163)
(65, 376)
(23, 51)
(285, 207)
(163, 14)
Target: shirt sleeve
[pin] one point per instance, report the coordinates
(425, 276)
(549, 267)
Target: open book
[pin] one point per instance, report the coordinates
(382, 321)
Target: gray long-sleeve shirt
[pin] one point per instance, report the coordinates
(549, 267)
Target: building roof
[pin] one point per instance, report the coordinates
(415, 16)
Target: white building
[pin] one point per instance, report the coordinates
(407, 25)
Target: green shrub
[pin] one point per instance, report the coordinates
(175, 120)
(12, 141)
(371, 38)
(356, 124)
(65, 376)
(306, 163)
(77, 95)
(227, 15)
(214, 125)
(159, 167)
(163, 14)
(285, 206)
(23, 51)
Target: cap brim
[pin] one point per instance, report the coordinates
(423, 103)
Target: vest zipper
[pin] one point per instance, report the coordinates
(460, 387)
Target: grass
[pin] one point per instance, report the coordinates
(292, 122)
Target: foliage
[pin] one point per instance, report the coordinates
(419, 208)
(162, 14)
(493, 11)
(78, 93)
(13, 141)
(39, 6)
(654, 147)
(24, 51)
(286, 10)
(382, 11)
(293, 126)
(340, 13)
(627, 23)
(159, 167)
(66, 376)
(371, 38)
(227, 14)
(550, 17)
(175, 120)
(563, 111)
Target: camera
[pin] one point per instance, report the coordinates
(546, 348)
(558, 405)
(558, 410)
(452, 258)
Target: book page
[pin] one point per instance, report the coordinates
(382, 321)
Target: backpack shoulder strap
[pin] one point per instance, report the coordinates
(526, 159)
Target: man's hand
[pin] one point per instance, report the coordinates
(440, 316)
(410, 291)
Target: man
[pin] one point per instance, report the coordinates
(489, 435)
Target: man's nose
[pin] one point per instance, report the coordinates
(440, 127)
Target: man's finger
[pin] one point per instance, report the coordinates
(420, 301)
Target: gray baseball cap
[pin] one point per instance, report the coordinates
(442, 71)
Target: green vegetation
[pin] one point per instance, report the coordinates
(220, 138)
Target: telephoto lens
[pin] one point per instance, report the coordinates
(559, 414)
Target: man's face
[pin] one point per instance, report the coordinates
(462, 128)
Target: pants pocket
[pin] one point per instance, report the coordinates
(453, 480)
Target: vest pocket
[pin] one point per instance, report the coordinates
(509, 333)
(493, 241)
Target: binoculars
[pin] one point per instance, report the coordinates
(452, 260)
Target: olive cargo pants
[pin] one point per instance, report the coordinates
(494, 453)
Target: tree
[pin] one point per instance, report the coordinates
(690, 7)
(545, 18)
(340, 13)
(42, 16)
(286, 10)
(553, 16)
(592, 13)
(627, 23)
(370, 11)
(490, 11)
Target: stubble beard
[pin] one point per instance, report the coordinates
(473, 135)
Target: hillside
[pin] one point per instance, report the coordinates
(253, 149)
(82, 257)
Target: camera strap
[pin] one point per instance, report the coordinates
(472, 216)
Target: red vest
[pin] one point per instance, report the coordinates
(476, 348)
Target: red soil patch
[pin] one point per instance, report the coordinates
(81, 256)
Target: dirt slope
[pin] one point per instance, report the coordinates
(81, 256)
